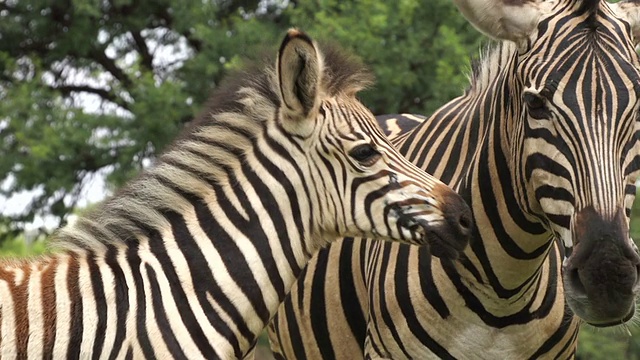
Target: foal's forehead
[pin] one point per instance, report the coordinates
(349, 116)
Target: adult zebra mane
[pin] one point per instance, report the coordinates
(486, 68)
(496, 54)
(235, 114)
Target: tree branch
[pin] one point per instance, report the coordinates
(143, 49)
(108, 64)
(164, 14)
(103, 93)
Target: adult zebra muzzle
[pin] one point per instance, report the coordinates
(601, 275)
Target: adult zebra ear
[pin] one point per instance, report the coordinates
(511, 20)
(629, 10)
(299, 69)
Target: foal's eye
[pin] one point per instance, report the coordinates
(365, 154)
(533, 101)
(536, 105)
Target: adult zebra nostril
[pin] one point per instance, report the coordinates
(577, 287)
(465, 223)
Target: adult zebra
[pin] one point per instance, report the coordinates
(544, 147)
(193, 258)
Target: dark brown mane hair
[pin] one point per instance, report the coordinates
(136, 208)
(343, 73)
(591, 7)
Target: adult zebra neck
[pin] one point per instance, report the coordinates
(510, 244)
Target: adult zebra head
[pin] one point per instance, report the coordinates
(572, 119)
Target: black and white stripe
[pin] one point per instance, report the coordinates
(192, 259)
(544, 147)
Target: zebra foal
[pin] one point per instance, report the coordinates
(545, 147)
(192, 259)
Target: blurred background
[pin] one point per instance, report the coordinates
(91, 90)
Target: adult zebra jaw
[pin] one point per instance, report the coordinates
(629, 10)
(512, 20)
(601, 272)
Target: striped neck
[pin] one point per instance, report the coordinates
(511, 245)
(228, 248)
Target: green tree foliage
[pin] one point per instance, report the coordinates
(419, 50)
(608, 344)
(98, 87)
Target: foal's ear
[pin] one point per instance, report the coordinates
(299, 71)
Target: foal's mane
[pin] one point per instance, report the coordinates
(241, 106)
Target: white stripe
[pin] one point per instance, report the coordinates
(179, 329)
(62, 308)
(89, 310)
(9, 350)
(158, 347)
(35, 313)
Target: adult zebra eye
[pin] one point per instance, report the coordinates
(536, 105)
(365, 154)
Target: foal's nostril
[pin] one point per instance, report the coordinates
(456, 211)
(461, 220)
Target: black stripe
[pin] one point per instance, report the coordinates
(101, 305)
(259, 238)
(430, 292)
(121, 289)
(295, 206)
(381, 308)
(294, 334)
(352, 311)
(319, 324)
(373, 196)
(169, 338)
(76, 327)
(427, 286)
(141, 314)
(233, 260)
(557, 336)
(201, 278)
